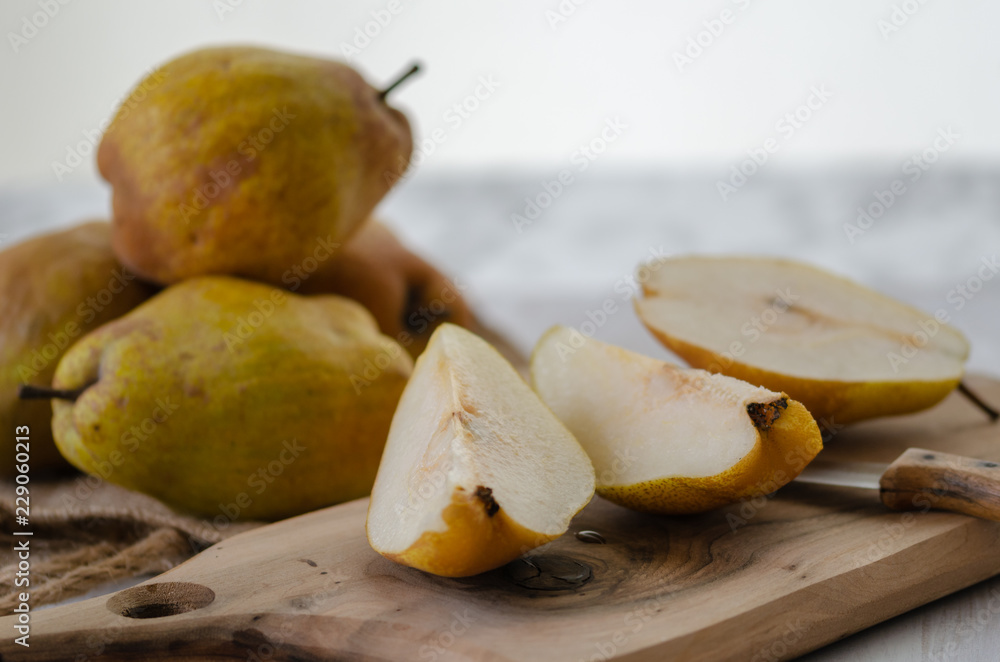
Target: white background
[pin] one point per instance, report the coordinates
(559, 83)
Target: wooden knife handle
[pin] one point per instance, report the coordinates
(924, 480)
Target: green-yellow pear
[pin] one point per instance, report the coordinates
(55, 288)
(247, 161)
(228, 398)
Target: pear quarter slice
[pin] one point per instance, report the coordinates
(665, 439)
(476, 470)
(846, 352)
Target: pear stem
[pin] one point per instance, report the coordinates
(976, 400)
(412, 70)
(29, 392)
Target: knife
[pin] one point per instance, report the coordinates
(919, 480)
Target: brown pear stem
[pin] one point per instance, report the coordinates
(29, 392)
(412, 70)
(976, 400)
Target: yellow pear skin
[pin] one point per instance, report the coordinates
(782, 452)
(56, 288)
(473, 541)
(246, 161)
(829, 401)
(227, 398)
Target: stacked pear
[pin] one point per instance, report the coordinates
(229, 398)
(244, 161)
(223, 394)
(56, 288)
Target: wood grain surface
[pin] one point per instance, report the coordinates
(922, 479)
(767, 579)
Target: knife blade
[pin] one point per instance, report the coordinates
(863, 475)
(919, 479)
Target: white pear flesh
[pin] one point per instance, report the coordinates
(666, 439)
(476, 470)
(845, 351)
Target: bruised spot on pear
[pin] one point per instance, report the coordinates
(764, 414)
(485, 495)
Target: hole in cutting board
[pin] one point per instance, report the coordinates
(158, 600)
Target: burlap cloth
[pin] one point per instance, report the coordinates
(87, 532)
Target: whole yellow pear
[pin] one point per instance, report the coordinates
(233, 399)
(55, 288)
(242, 161)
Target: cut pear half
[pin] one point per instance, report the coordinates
(670, 440)
(476, 470)
(846, 352)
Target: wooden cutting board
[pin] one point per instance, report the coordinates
(757, 582)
